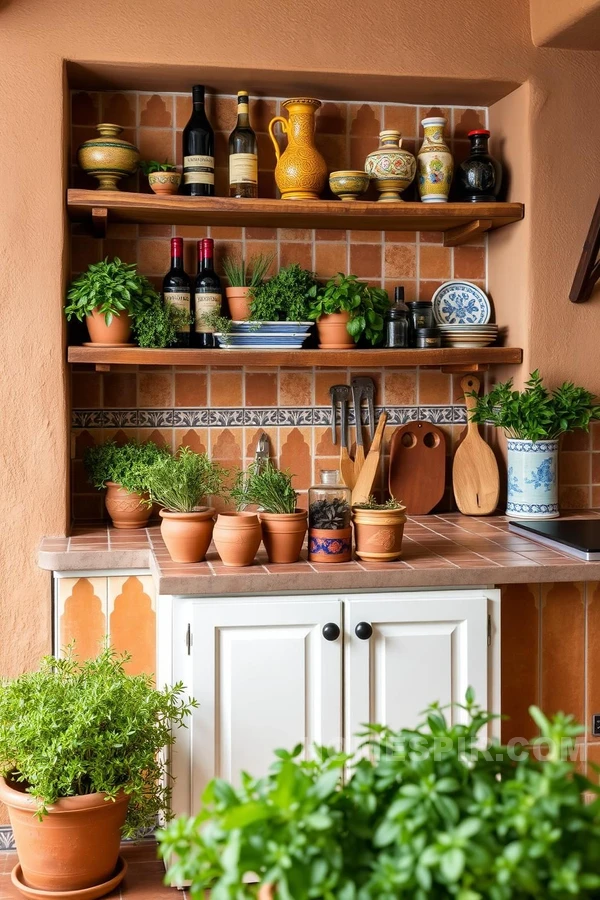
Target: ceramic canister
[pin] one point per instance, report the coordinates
(434, 162)
(532, 479)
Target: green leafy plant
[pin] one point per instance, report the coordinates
(372, 503)
(250, 274)
(345, 293)
(150, 166)
(329, 514)
(125, 464)
(426, 814)
(111, 288)
(536, 413)
(181, 482)
(264, 485)
(76, 727)
(284, 297)
(158, 325)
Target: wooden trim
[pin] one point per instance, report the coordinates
(462, 233)
(99, 221)
(588, 269)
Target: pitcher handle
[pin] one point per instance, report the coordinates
(284, 128)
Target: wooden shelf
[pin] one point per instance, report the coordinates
(449, 358)
(458, 221)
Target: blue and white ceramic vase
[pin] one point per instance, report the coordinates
(532, 479)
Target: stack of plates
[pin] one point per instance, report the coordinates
(468, 335)
(265, 336)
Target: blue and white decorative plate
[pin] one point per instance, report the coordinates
(260, 341)
(461, 303)
(271, 327)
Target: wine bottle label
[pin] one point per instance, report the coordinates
(198, 170)
(243, 168)
(180, 299)
(205, 303)
(243, 107)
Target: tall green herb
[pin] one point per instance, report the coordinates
(264, 485)
(251, 274)
(182, 482)
(285, 297)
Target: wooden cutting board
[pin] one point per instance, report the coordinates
(417, 474)
(475, 476)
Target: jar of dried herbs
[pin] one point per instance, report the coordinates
(329, 515)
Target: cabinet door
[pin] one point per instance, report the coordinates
(265, 677)
(422, 649)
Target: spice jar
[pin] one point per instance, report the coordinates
(329, 528)
(420, 315)
(427, 338)
(396, 322)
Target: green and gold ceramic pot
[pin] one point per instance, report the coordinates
(348, 184)
(435, 163)
(108, 157)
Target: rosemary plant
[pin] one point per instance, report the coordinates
(247, 274)
(372, 503)
(180, 483)
(266, 486)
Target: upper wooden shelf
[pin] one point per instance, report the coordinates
(458, 221)
(450, 358)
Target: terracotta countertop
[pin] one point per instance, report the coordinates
(448, 550)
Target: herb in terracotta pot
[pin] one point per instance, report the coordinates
(110, 296)
(378, 529)
(181, 484)
(283, 524)
(123, 470)
(159, 324)
(244, 277)
(284, 297)
(346, 310)
(163, 178)
(81, 758)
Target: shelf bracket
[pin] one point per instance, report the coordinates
(99, 221)
(463, 233)
(588, 270)
(462, 368)
(102, 367)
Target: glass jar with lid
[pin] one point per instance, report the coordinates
(396, 322)
(329, 513)
(420, 316)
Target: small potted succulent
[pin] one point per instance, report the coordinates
(329, 520)
(123, 471)
(244, 277)
(163, 178)
(81, 766)
(284, 297)
(160, 323)
(346, 310)
(181, 484)
(283, 524)
(378, 529)
(110, 296)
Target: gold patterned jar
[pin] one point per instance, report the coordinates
(108, 157)
(301, 171)
(391, 168)
(434, 161)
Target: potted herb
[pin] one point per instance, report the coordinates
(284, 297)
(533, 420)
(110, 296)
(82, 765)
(378, 529)
(123, 471)
(181, 484)
(163, 178)
(160, 323)
(345, 310)
(283, 524)
(243, 278)
(329, 514)
(427, 813)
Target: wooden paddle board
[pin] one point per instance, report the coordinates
(417, 475)
(475, 476)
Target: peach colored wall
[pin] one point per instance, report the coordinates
(572, 24)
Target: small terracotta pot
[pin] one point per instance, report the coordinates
(76, 846)
(238, 300)
(118, 332)
(378, 533)
(126, 509)
(187, 534)
(333, 334)
(330, 545)
(237, 537)
(164, 182)
(283, 535)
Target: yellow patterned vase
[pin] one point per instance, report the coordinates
(301, 171)
(435, 165)
(108, 157)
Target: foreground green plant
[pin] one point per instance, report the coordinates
(345, 293)
(536, 413)
(182, 482)
(111, 288)
(427, 815)
(77, 727)
(152, 165)
(265, 486)
(159, 324)
(125, 464)
(240, 273)
(285, 297)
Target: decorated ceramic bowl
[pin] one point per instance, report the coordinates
(164, 182)
(349, 184)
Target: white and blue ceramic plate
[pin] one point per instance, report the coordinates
(461, 303)
(246, 327)
(261, 341)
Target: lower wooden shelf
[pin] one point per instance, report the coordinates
(450, 358)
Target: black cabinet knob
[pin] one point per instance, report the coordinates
(331, 631)
(363, 631)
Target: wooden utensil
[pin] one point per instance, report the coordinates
(359, 453)
(364, 482)
(475, 476)
(417, 475)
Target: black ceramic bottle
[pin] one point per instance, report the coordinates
(480, 175)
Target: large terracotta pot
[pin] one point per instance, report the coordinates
(237, 537)
(330, 545)
(118, 332)
(378, 533)
(108, 157)
(333, 333)
(126, 509)
(187, 535)
(301, 171)
(283, 535)
(76, 846)
(238, 300)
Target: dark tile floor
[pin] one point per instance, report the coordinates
(144, 879)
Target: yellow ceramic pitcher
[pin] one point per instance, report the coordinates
(301, 171)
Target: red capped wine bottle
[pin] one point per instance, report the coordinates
(198, 150)
(176, 288)
(207, 294)
(243, 158)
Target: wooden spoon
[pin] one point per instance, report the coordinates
(475, 476)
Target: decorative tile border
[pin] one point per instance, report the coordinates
(7, 841)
